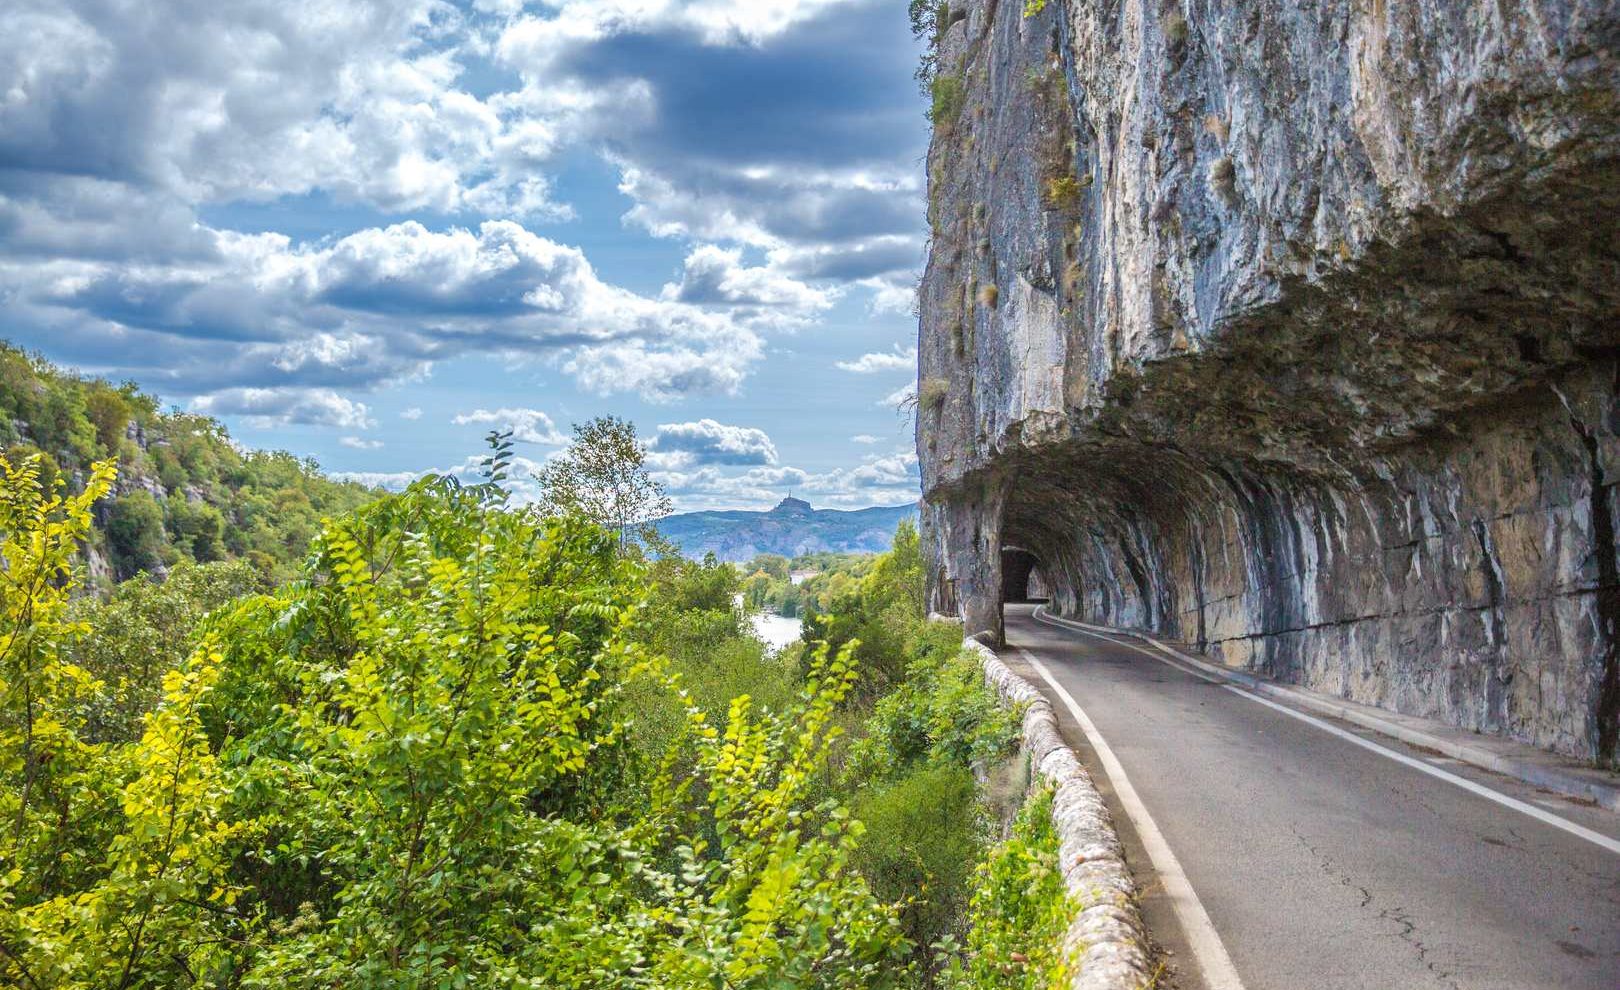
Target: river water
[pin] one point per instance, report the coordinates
(777, 631)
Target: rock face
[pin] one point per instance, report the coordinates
(1292, 331)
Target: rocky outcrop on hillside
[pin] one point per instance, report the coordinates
(1291, 331)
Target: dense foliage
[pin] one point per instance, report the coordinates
(1019, 911)
(806, 584)
(184, 492)
(473, 745)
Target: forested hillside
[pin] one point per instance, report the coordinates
(184, 491)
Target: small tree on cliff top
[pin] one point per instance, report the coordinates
(603, 476)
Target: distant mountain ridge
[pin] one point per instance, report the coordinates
(793, 527)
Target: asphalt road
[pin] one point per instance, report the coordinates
(1319, 863)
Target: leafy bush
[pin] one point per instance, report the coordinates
(475, 746)
(924, 833)
(144, 630)
(1019, 911)
(407, 770)
(135, 534)
(942, 712)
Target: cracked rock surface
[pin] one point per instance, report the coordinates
(1290, 331)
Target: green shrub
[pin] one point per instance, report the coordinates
(923, 836)
(406, 770)
(1018, 912)
(941, 712)
(135, 533)
(947, 96)
(657, 710)
(143, 631)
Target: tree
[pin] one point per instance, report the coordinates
(603, 477)
(135, 532)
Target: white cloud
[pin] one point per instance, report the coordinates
(527, 425)
(381, 305)
(393, 481)
(360, 443)
(881, 479)
(896, 360)
(270, 407)
(890, 295)
(866, 438)
(469, 471)
(716, 276)
(681, 445)
(256, 99)
(669, 373)
(413, 413)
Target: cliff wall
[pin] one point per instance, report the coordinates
(1290, 331)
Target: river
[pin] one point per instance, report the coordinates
(776, 630)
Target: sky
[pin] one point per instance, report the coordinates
(371, 232)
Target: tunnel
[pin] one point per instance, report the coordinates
(1021, 576)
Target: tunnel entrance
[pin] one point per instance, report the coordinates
(1021, 577)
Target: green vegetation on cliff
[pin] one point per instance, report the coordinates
(184, 492)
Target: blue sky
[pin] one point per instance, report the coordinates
(371, 232)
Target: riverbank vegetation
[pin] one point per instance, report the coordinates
(472, 744)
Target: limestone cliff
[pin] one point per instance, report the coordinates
(1290, 330)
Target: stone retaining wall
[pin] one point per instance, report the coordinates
(1106, 939)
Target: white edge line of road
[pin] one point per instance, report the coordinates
(1205, 941)
(1173, 660)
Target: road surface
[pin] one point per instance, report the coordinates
(1317, 862)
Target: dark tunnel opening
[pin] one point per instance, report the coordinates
(1021, 577)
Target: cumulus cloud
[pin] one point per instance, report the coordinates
(393, 481)
(270, 407)
(765, 142)
(360, 443)
(413, 413)
(471, 470)
(680, 445)
(891, 294)
(668, 373)
(150, 154)
(717, 276)
(896, 360)
(865, 438)
(379, 306)
(527, 425)
(256, 99)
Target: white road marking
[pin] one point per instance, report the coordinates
(1473, 787)
(1207, 947)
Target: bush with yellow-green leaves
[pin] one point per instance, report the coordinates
(472, 746)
